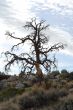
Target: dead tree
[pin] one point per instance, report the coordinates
(38, 57)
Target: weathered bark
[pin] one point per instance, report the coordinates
(39, 72)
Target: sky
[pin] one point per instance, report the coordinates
(57, 13)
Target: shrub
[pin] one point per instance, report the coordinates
(35, 99)
(9, 92)
(64, 74)
(55, 73)
(71, 76)
(66, 104)
(47, 84)
(62, 92)
(39, 98)
(9, 106)
(64, 71)
(69, 85)
(26, 102)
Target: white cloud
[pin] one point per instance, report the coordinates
(61, 6)
(57, 35)
(16, 12)
(22, 9)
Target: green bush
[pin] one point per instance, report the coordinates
(55, 73)
(33, 100)
(9, 92)
(64, 75)
(71, 76)
(65, 105)
(39, 98)
(62, 92)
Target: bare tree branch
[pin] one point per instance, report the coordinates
(38, 55)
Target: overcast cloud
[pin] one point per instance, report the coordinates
(57, 13)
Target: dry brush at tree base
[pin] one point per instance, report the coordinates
(56, 94)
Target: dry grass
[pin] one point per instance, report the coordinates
(49, 96)
(37, 98)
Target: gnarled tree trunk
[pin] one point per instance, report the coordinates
(39, 72)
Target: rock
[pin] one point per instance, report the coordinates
(19, 85)
(71, 90)
(12, 78)
(3, 84)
